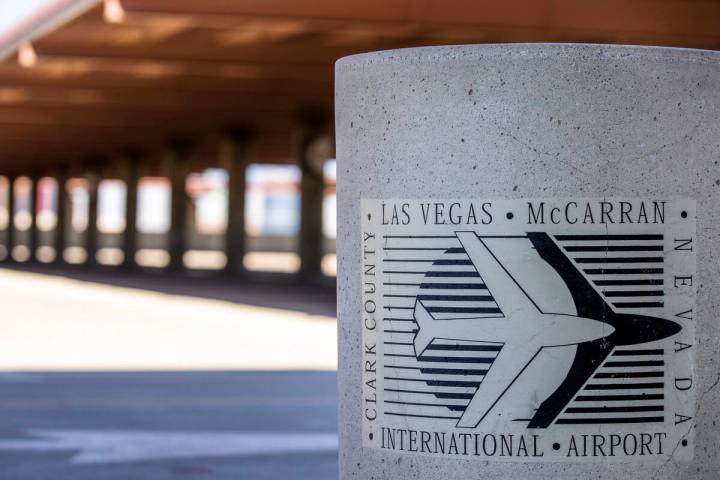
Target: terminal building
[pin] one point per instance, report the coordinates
(187, 136)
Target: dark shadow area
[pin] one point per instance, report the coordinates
(222, 425)
(261, 291)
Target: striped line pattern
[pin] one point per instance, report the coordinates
(437, 271)
(629, 386)
(627, 269)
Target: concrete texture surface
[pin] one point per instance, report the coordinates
(528, 121)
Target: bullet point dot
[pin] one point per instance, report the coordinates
(556, 446)
(368, 216)
(684, 442)
(510, 215)
(683, 214)
(371, 436)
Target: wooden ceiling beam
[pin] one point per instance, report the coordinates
(24, 157)
(63, 96)
(252, 115)
(644, 16)
(177, 35)
(59, 65)
(25, 145)
(11, 73)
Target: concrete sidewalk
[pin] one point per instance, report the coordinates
(57, 323)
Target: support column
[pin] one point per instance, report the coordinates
(10, 237)
(235, 160)
(32, 210)
(132, 176)
(91, 234)
(311, 159)
(178, 165)
(63, 204)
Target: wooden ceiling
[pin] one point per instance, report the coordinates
(192, 68)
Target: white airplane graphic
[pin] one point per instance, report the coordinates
(523, 330)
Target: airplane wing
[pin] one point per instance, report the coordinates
(506, 292)
(510, 363)
(589, 355)
(587, 300)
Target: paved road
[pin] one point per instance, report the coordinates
(205, 425)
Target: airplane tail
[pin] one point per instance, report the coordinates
(425, 334)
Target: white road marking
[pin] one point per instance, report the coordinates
(107, 446)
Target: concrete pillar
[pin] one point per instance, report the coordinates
(91, 234)
(63, 205)
(314, 128)
(481, 187)
(131, 179)
(32, 207)
(234, 160)
(10, 238)
(178, 163)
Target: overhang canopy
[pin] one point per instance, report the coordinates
(190, 69)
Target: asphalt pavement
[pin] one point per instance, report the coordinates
(168, 425)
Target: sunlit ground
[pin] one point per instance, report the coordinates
(53, 323)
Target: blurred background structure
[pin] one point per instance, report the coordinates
(175, 135)
(167, 218)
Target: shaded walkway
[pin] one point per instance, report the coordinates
(102, 321)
